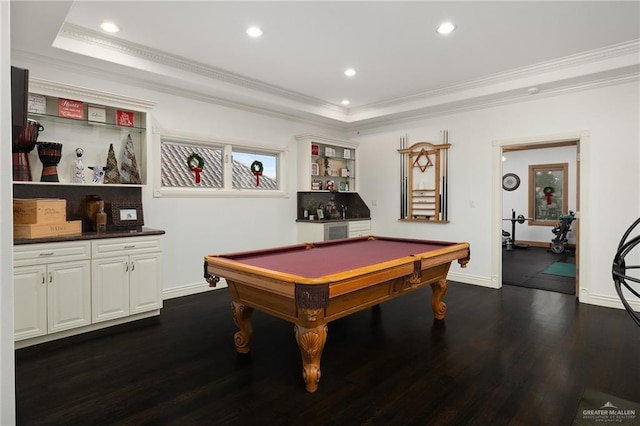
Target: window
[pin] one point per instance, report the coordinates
(176, 173)
(548, 185)
(254, 170)
(200, 167)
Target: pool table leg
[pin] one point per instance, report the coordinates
(311, 343)
(242, 318)
(438, 290)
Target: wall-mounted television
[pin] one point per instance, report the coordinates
(19, 99)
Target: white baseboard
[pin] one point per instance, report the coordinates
(189, 289)
(471, 279)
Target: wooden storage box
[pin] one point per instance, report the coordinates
(30, 231)
(39, 211)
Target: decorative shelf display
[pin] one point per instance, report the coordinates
(326, 164)
(90, 129)
(423, 180)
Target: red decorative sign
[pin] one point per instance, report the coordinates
(124, 118)
(71, 109)
(314, 150)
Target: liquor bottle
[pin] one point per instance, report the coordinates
(101, 219)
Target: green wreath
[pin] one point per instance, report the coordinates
(257, 167)
(548, 190)
(196, 157)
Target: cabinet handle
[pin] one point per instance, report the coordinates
(50, 277)
(43, 278)
(130, 247)
(46, 254)
(133, 266)
(127, 267)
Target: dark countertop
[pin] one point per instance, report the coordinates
(89, 236)
(351, 219)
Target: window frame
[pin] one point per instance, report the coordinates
(227, 145)
(555, 167)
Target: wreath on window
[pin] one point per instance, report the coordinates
(548, 193)
(195, 163)
(256, 169)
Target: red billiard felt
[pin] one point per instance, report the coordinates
(329, 258)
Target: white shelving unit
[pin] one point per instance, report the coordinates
(322, 159)
(92, 136)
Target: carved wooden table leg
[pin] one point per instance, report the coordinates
(311, 343)
(242, 318)
(438, 290)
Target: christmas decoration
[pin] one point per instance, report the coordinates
(195, 163)
(129, 172)
(548, 193)
(257, 168)
(111, 175)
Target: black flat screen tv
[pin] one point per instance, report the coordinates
(19, 100)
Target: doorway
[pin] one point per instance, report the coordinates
(528, 261)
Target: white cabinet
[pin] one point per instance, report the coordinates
(126, 276)
(359, 228)
(52, 290)
(119, 118)
(309, 232)
(322, 160)
(71, 287)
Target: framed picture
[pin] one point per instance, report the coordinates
(127, 215)
(314, 169)
(320, 214)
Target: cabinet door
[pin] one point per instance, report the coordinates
(68, 295)
(145, 282)
(110, 288)
(29, 301)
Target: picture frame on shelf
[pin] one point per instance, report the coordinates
(127, 215)
(320, 214)
(315, 170)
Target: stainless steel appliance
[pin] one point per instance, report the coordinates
(336, 230)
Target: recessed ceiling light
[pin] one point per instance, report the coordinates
(446, 28)
(109, 27)
(254, 32)
(350, 72)
(345, 102)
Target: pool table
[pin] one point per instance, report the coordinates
(312, 284)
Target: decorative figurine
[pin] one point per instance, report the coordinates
(98, 173)
(78, 168)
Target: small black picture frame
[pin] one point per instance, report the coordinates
(127, 215)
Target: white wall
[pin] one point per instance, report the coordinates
(518, 162)
(7, 373)
(609, 180)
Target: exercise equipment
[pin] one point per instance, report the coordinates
(620, 268)
(558, 244)
(509, 239)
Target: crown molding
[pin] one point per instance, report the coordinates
(99, 40)
(47, 87)
(594, 56)
(576, 72)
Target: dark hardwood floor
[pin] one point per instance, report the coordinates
(515, 356)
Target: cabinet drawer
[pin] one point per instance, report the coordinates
(360, 226)
(33, 254)
(125, 246)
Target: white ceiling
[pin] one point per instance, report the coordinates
(405, 68)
